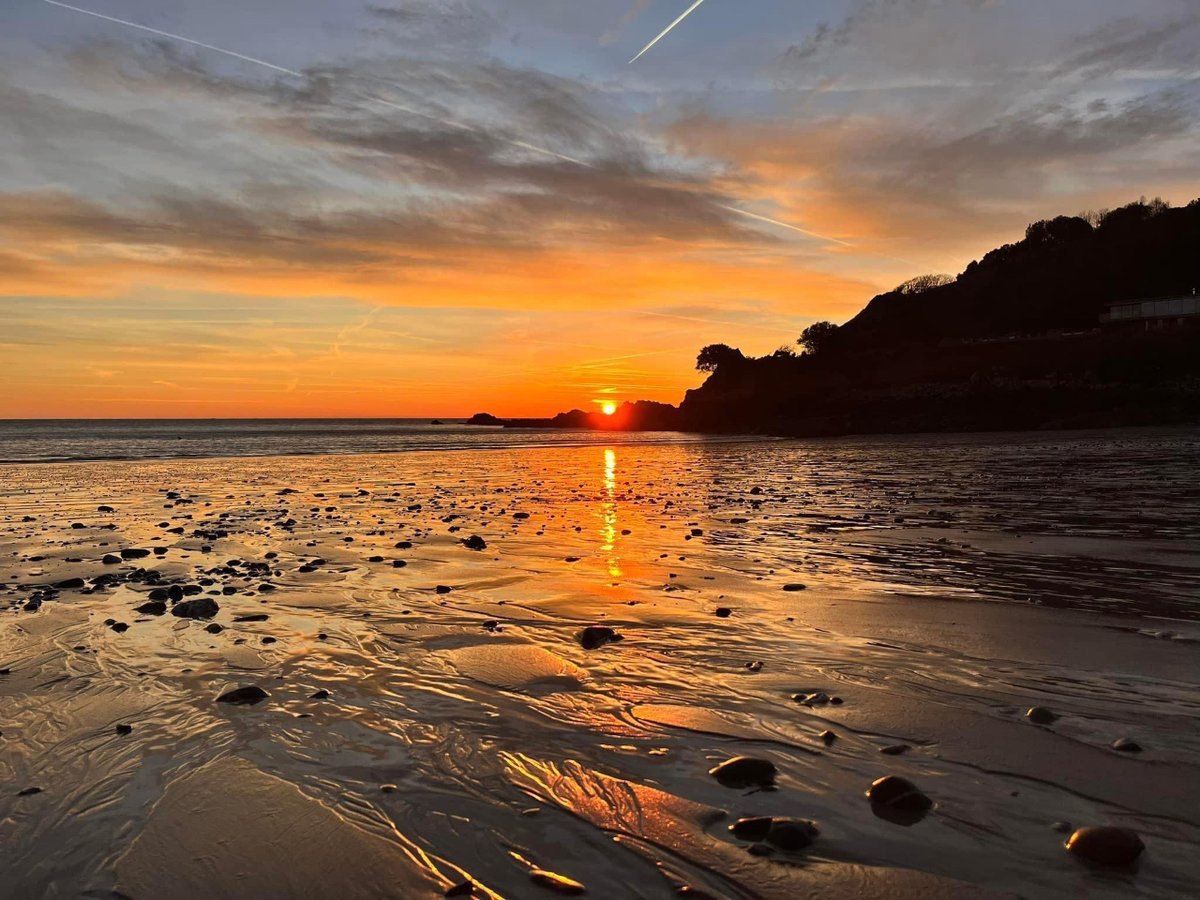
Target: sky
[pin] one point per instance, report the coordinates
(440, 207)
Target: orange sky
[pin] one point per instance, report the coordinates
(482, 206)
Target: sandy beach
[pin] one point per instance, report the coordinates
(435, 716)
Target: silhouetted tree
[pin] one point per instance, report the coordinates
(923, 283)
(1060, 228)
(714, 356)
(816, 336)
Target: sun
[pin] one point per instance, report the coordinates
(608, 407)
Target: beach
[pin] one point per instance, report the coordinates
(436, 716)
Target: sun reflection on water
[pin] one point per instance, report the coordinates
(608, 530)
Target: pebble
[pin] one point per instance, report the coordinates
(1105, 845)
(244, 696)
(475, 542)
(202, 608)
(723, 612)
(895, 749)
(1125, 745)
(594, 636)
(745, 771)
(780, 831)
(794, 587)
(897, 793)
(1039, 715)
(124, 729)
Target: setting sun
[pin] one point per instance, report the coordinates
(608, 408)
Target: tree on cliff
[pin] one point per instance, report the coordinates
(714, 356)
(816, 336)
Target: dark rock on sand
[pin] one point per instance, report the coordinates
(253, 617)
(214, 628)
(443, 589)
(594, 636)
(1125, 745)
(152, 608)
(723, 612)
(795, 587)
(69, 584)
(29, 791)
(745, 771)
(475, 542)
(1039, 715)
(780, 831)
(110, 559)
(202, 608)
(319, 695)
(134, 553)
(119, 627)
(827, 736)
(895, 749)
(244, 696)
(124, 729)
(1104, 845)
(898, 800)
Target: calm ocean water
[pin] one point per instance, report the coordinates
(43, 440)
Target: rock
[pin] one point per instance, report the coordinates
(895, 749)
(398, 564)
(745, 771)
(134, 553)
(152, 608)
(795, 587)
(594, 636)
(816, 698)
(253, 617)
(175, 593)
(202, 608)
(214, 628)
(29, 791)
(443, 589)
(119, 627)
(244, 696)
(1125, 745)
(779, 831)
(124, 729)
(1104, 845)
(723, 612)
(560, 884)
(791, 834)
(69, 584)
(110, 559)
(1039, 715)
(751, 828)
(319, 695)
(475, 542)
(827, 736)
(897, 793)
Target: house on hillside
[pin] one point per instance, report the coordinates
(1159, 312)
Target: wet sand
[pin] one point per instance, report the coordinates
(937, 590)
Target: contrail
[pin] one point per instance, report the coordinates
(178, 37)
(452, 123)
(811, 234)
(820, 237)
(662, 34)
(269, 65)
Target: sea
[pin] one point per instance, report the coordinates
(64, 440)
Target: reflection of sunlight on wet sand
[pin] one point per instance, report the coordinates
(608, 531)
